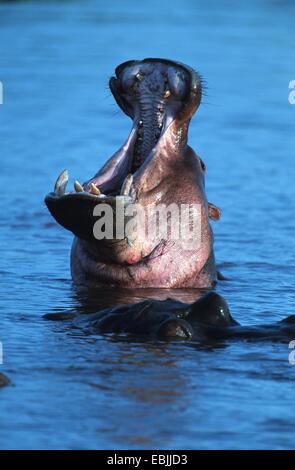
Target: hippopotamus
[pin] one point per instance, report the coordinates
(206, 320)
(154, 167)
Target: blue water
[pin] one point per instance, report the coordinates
(74, 391)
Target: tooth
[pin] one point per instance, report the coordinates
(61, 183)
(78, 187)
(167, 94)
(94, 189)
(126, 186)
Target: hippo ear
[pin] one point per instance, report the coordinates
(203, 166)
(214, 212)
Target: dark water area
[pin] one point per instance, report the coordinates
(74, 390)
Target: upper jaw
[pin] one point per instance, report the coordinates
(156, 93)
(158, 76)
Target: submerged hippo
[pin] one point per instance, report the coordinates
(206, 320)
(154, 166)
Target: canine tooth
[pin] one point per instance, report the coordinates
(78, 187)
(94, 189)
(61, 183)
(126, 186)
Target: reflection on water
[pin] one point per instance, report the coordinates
(72, 390)
(92, 300)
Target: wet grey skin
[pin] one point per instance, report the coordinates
(207, 320)
(154, 166)
(163, 319)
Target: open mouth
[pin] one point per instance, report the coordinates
(155, 93)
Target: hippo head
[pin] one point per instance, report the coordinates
(155, 167)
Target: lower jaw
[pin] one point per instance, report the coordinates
(86, 270)
(150, 273)
(105, 280)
